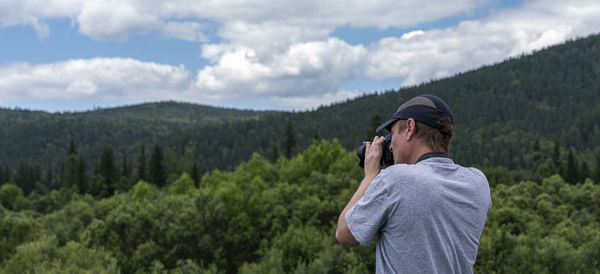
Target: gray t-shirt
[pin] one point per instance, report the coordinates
(429, 217)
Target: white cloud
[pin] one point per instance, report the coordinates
(304, 69)
(115, 19)
(443, 52)
(189, 31)
(100, 79)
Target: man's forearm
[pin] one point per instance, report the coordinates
(372, 167)
(343, 234)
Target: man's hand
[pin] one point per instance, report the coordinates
(373, 152)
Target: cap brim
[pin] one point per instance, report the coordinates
(386, 124)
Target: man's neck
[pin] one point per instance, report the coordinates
(417, 152)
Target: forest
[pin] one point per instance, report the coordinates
(269, 217)
(180, 188)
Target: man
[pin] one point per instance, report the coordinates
(428, 211)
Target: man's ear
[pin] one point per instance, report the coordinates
(410, 128)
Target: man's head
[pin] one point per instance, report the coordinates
(427, 118)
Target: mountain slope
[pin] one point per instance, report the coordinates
(42, 137)
(501, 111)
(552, 96)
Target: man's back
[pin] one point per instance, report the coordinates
(429, 216)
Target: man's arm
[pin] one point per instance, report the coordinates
(372, 167)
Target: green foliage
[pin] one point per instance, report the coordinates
(10, 195)
(239, 212)
(108, 170)
(551, 227)
(143, 191)
(46, 256)
(289, 139)
(157, 174)
(15, 228)
(183, 185)
(141, 164)
(73, 173)
(280, 217)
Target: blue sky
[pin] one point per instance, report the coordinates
(74, 55)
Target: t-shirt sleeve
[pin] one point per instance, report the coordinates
(367, 216)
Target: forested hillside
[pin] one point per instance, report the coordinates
(501, 111)
(42, 138)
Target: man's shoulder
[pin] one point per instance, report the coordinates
(400, 174)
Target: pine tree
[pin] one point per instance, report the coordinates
(73, 173)
(107, 169)
(289, 139)
(584, 171)
(27, 176)
(125, 169)
(375, 122)
(572, 172)
(71, 148)
(556, 155)
(537, 155)
(141, 164)
(274, 153)
(596, 172)
(4, 174)
(195, 173)
(556, 159)
(81, 176)
(157, 168)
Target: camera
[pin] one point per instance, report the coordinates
(387, 158)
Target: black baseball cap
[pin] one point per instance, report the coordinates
(425, 108)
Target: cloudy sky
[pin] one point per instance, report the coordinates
(66, 55)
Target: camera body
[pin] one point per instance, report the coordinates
(387, 158)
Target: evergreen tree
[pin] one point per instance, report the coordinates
(107, 169)
(82, 181)
(195, 173)
(556, 159)
(49, 180)
(4, 174)
(71, 148)
(537, 155)
(141, 164)
(596, 172)
(375, 122)
(584, 171)
(157, 168)
(316, 135)
(556, 154)
(72, 175)
(125, 169)
(289, 139)
(274, 153)
(571, 170)
(27, 176)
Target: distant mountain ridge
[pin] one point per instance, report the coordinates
(501, 111)
(42, 137)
